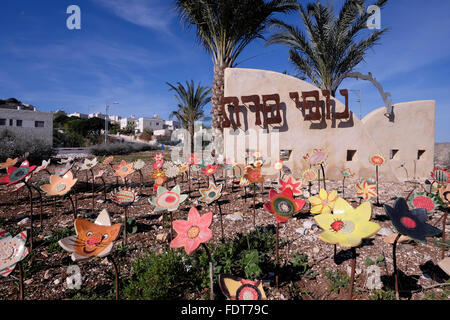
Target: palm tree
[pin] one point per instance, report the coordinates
(224, 28)
(191, 101)
(331, 49)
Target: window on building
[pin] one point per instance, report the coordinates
(10, 122)
(285, 155)
(19, 123)
(157, 123)
(420, 154)
(393, 154)
(350, 155)
(2, 122)
(39, 124)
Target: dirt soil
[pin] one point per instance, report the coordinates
(48, 266)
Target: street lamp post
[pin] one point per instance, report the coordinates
(106, 122)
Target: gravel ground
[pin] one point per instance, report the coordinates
(48, 267)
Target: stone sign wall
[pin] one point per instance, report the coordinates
(279, 113)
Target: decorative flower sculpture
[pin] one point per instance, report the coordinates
(59, 186)
(235, 288)
(440, 176)
(253, 175)
(12, 251)
(172, 171)
(123, 169)
(209, 169)
(366, 190)
(167, 200)
(99, 174)
(324, 202)
(258, 163)
(210, 194)
(318, 157)
(257, 154)
(63, 170)
(444, 194)
(158, 157)
(8, 163)
(425, 201)
(167, 164)
(309, 175)
(278, 165)
(294, 185)
(124, 196)
(410, 223)
(88, 164)
(347, 173)
(183, 167)
(157, 165)
(43, 166)
(430, 188)
(20, 185)
(192, 160)
(160, 178)
(243, 182)
(377, 159)
(67, 160)
(108, 160)
(193, 232)
(283, 204)
(347, 226)
(15, 175)
(92, 239)
(138, 164)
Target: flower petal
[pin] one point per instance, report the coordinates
(323, 194)
(205, 221)
(341, 206)
(315, 200)
(194, 216)
(178, 242)
(325, 220)
(181, 226)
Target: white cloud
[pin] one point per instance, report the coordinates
(152, 14)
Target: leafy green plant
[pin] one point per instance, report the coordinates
(52, 241)
(299, 262)
(120, 148)
(337, 280)
(166, 276)
(369, 262)
(382, 295)
(250, 262)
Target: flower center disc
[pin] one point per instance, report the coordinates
(6, 250)
(19, 174)
(408, 222)
(284, 207)
(337, 225)
(193, 232)
(212, 194)
(60, 187)
(248, 292)
(124, 169)
(423, 202)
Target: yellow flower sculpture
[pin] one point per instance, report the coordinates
(347, 226)
(324, 203)
(8, 163)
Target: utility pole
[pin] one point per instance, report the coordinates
(106, 121)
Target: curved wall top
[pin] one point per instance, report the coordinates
(349, 141)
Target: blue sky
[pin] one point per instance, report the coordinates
(127, 50)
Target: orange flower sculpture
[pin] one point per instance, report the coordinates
(160, 178)
(8, 163)
(193, 232)
(59, 186)
(253, 175)
(123, 169)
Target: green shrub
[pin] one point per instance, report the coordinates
(337, 280)
(120, 148)
(12, 146)
(164, 276)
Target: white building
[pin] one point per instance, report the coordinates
(97, 115)
(125, 121)
(153, 124)
(171, 125)
(115, 119)
(78, 115)
(26, 121)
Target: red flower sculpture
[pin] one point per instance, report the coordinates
(210, 169)
(293, 184)
(283, 204)
(15, 174)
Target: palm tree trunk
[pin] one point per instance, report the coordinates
(218, 88)
(191, 134)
